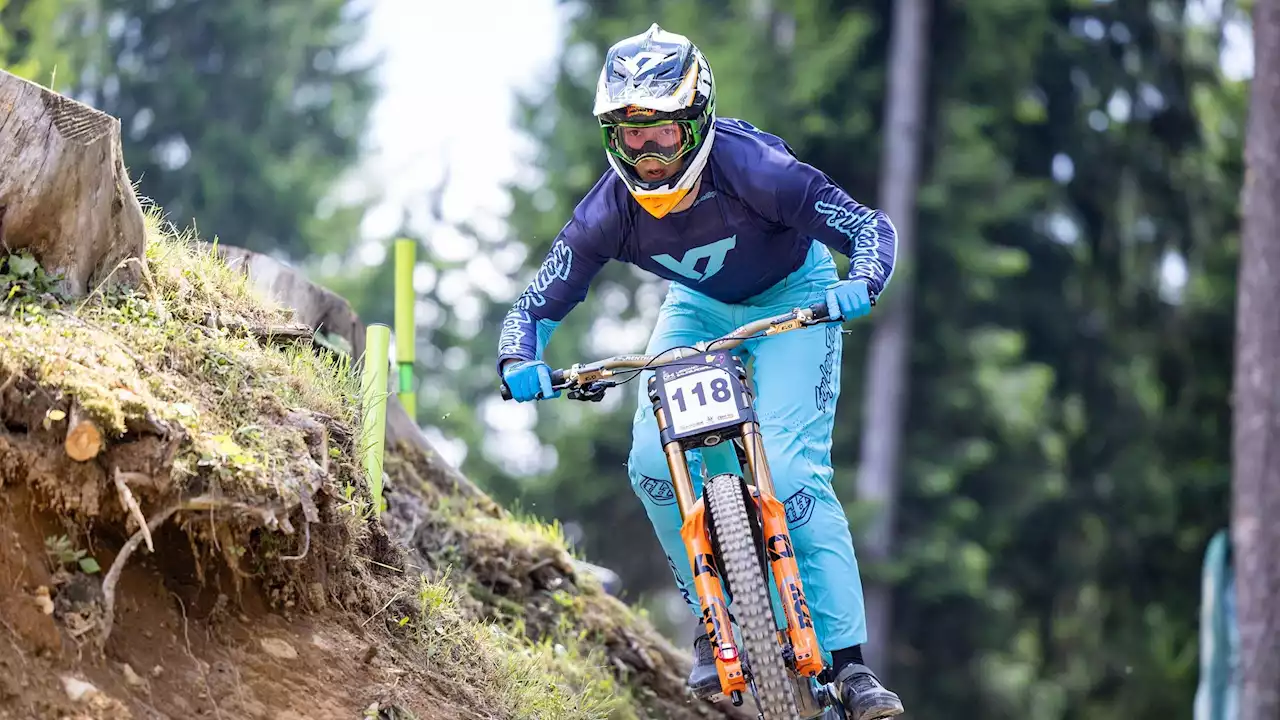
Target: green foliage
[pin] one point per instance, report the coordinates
(511, 674)
(239, 115)
(61, 551)
(34, 37)
(23, 280)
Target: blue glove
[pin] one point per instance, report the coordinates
(848, 299)
(529, 380)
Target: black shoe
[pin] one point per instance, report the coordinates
(704, 679)
(863, 696)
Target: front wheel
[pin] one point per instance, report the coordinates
(740, 559)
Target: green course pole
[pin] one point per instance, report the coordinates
(405, 339)
(373, 391)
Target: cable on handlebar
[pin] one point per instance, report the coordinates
(820, 315)
(676, 363)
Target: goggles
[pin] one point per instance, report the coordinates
(665, 141)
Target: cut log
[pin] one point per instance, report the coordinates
(65, 195)
(84, 439)
(271, 333)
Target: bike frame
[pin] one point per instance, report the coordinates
(799, 641)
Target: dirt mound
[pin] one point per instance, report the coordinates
(184, 533)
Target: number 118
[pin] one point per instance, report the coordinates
(719, 393)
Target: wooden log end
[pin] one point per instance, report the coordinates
(84, 438)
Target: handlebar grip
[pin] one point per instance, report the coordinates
(557, 378)
(820, 311)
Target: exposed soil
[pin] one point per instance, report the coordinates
(180, 650)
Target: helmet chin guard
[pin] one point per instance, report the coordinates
(648, 82)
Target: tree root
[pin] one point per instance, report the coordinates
(131, 504)
(306, 545)
(117, 567)
(204, 676)
(266, 515)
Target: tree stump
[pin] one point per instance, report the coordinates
(65, 195)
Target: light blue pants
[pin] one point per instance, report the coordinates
(797, 383)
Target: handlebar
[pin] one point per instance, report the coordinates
(580, 377)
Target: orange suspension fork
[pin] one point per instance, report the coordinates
(782, 557)
(715, 611)
(706, 579)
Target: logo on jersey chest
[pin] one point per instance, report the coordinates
(713, 253)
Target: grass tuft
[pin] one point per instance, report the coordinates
(552, 679)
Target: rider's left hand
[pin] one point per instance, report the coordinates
(848, 299)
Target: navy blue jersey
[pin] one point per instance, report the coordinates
(758, 211)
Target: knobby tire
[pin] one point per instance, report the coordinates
(740, 559)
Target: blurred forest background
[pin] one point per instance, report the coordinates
(1065, 454)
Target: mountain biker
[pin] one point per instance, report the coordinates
(741, 228)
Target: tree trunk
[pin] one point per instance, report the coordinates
(886, 379)
(1256, 422)
(65, 195)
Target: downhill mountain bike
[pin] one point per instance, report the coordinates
(736, 533)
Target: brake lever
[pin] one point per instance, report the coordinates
(593, 392)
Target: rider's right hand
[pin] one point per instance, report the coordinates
(529, 380)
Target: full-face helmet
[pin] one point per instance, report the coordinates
(655, 100)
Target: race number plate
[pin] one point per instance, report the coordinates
(700, 398)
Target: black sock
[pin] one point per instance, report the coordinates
(845, 656)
